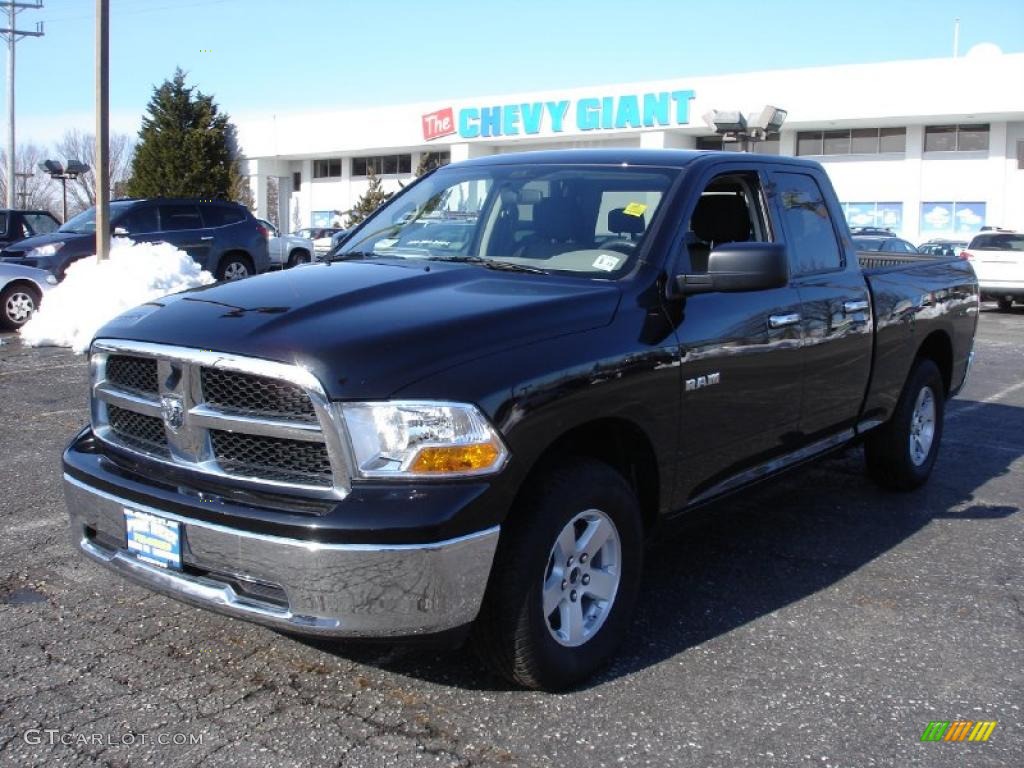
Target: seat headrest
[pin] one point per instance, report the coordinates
(621, 223)
(552, 219)
(721, 219)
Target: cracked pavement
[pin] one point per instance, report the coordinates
(816, 621)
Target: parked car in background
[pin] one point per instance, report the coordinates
(21, 290)
(16, 225)
(286, 250)
(998, 260)
(942, 247)
(880, 231)
(883, 243)
(221, 236)
(321, 237)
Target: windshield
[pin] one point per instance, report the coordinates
(588, 220)
(85, 222)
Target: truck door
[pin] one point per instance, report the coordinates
(836, 306)
(740, 353)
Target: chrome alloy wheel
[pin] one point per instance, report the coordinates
(582, 578)
(236, 270)
(922, 426)
(19, 307)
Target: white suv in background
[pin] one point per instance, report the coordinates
(286, 250)
(998, 261)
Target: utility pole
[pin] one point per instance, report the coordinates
(12, 35)
(24, 187)
(102, 129)
(956, 37)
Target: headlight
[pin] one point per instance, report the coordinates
(51, 279)
(44, 251)
(422, 439)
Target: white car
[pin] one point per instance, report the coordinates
(21, 290)
(286, 250)
(321, 237)
(998, 261)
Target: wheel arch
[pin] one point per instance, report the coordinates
(618, 442)
(938, 348)
(24, 282)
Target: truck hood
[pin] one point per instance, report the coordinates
(367, 329)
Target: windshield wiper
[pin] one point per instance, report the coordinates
(506, 266)
(349, 256)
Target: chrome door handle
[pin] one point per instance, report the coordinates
(781, 321)
(850, 307)
(208, 237)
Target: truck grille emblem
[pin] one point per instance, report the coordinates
(173, 412)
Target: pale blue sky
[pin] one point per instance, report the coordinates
(271, 57)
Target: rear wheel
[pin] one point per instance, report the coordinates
(1005, 304)
(565, 578)
(900, 455)
(17, 303)
(234, 266)
(297, 257)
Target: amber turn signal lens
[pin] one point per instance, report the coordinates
(455, 458)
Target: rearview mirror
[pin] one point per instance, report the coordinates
(734, 267)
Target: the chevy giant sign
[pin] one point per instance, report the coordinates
(645, 110)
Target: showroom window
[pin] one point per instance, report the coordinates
(853, 141)
(770, 146)
(878, 215)
(949, 217)
(431, 160)
(956, 138)
(327, 169)
(382, 165)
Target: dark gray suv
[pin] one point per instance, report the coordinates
(222, 237)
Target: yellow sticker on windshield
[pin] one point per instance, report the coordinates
(634, 209)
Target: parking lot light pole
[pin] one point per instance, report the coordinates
(57, 171)
(102, 129)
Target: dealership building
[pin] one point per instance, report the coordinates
(927, 148)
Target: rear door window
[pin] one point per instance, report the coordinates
(178, 217)
(811, 238)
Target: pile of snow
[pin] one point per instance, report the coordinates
(94, 293)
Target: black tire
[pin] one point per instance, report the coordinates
(13, 300)
(512, 635)
(300, 256)
(888, 449)
(1004, 304)
(232, 266)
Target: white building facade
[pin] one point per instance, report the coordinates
(928, 148)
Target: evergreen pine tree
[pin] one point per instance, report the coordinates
(187, 147)
(369, 202)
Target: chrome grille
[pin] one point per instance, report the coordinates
(134, 374)
(273, 457)
(261, 423)
(144, 433)
(255, 395)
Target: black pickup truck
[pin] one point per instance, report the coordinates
(510, 377)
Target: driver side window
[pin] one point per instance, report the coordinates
(730, 210)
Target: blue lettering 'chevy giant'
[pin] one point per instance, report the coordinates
(647, 110)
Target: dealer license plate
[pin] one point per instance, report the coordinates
(153, 539)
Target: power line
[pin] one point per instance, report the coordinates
(12, 35)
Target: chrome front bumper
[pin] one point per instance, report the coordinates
(339, 590)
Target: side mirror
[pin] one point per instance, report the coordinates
(735, 267)
(120, 232)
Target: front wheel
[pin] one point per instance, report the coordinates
(900, 455)
(565, 578)
(1004, 304)
(17, 304)
(297, 257)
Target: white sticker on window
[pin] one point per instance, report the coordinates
(606, 263)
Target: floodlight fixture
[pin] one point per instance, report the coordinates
(58, 170)
(729, 121)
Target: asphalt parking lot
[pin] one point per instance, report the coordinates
(816, 621)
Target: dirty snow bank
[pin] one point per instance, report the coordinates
(94, 293)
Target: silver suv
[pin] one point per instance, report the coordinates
(998, 261)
